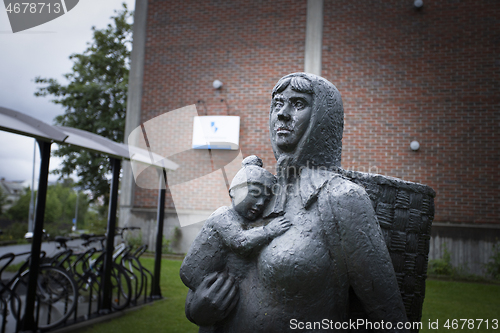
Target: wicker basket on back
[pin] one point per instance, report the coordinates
(405, 211)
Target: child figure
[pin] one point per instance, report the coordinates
(230, 234)
(250, 191)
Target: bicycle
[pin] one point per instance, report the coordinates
(88, 270)
(86, 262)
(56, 293)
(130, 261)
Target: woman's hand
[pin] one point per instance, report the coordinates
(213, 300)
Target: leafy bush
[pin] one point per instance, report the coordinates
(176, 237)
(57, 228)
(169, 244)
(166, 248)
(134, 240)
(441, 266)
(493, 266)
(15, 232)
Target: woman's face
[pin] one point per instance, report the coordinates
(290, 115)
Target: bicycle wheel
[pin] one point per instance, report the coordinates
(56, 296)
(121, 289)
(134, 268)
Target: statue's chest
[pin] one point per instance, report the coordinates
(297, 262)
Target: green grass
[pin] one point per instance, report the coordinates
(460, 300)
(444, 300)
(13, 268)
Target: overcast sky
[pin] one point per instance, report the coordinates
(41, 51)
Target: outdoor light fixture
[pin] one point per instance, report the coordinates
(414, 145)
(418, 4)
(217, 84)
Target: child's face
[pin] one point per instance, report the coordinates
(249, 201)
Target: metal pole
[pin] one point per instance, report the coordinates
(155, 285)
(28, 322)
(108, 258)
(32, 199)
(76, 211)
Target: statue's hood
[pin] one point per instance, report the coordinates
(321, 144)
(318, 151)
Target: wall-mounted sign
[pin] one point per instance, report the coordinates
(216, 132)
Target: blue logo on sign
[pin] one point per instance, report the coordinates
(213, 127)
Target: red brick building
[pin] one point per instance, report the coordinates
(405, 74)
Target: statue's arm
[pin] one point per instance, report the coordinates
(204, 257)
(243, 241)
(370, 269)
(212, 295)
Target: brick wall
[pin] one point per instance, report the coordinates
(248, 45)
(432, 76)
(429, 75)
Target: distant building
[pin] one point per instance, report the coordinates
(406, 74)
(14, 190)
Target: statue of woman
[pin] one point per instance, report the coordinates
(332, 253)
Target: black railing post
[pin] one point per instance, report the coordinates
(28, 322)
(155, 285)
(108, 257)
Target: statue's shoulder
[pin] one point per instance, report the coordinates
(340, 186)
(328, 184)
(220, 216)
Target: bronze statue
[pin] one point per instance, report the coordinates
(327, 262)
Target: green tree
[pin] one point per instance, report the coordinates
(60, 208)
(95, 221)
(3, 201)
(95, 100)
(53, 208)
(19, 211)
